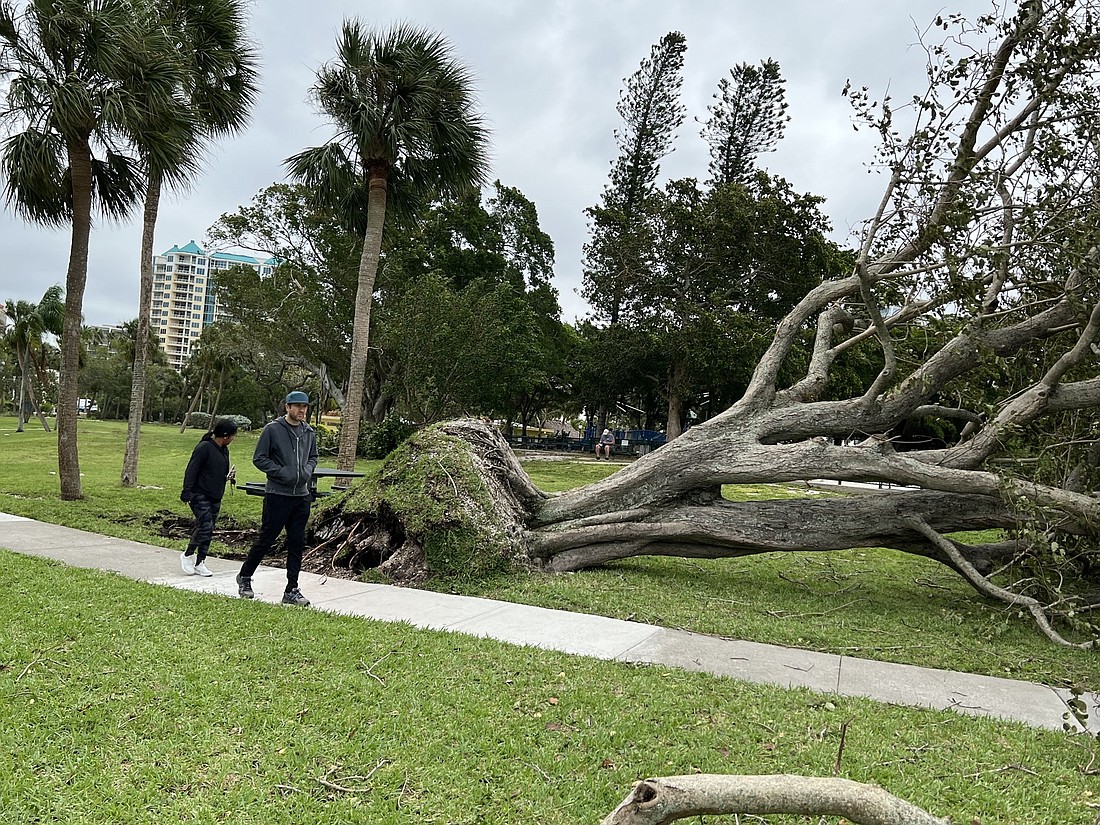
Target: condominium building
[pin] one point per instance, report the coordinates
(184, 302)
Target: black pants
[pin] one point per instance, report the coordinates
(291, 512)
(206, 516)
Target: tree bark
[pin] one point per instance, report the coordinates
(76, 277)
(24, 379)
(675, 425)
(705, 526)
(37, 406)
(195, 398)
(141, 345)
(667, 799)
(352, 412)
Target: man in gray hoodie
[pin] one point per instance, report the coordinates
(287, 454)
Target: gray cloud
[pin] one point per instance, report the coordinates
(548, 75)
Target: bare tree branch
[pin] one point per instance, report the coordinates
(667, 799)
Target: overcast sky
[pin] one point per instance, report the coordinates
(548, 75)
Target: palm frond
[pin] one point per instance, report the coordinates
(33, 166)
(118, 182)
(403, 108)
(334, 181)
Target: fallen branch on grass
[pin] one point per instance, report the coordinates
(666, 799)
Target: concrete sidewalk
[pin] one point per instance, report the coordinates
(580, 634)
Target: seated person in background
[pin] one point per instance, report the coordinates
(606, 442)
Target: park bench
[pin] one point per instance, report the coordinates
(258, 488)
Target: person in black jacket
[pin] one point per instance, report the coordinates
(287, 454)
(203, 488)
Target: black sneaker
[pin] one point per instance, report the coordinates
(244, 587)
(295, 597)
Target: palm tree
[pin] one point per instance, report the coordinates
(405, 120)
(85, 81)
(28, 323)
(216, 97)
(217, 350)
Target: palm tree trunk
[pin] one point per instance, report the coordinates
(195, 399)
(20, 414)
(217, 397)
(23, 379)
(141, 345)
(36, 406)
(76, 278)
(360, 332)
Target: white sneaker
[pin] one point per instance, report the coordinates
(188, 564)
(202, 569)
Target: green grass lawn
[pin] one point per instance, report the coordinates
(871, 603)
(122, 702)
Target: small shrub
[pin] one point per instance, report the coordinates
(243, 423)
(199, 421)
(379, 440)
(328, 439)
(202, 421)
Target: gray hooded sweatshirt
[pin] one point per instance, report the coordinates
(288, 456)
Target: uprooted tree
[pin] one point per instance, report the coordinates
(976, 294)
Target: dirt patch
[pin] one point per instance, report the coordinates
(233, 539)
(237, 535)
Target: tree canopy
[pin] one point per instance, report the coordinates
(216, 91)
(406, 122)
(85, 84)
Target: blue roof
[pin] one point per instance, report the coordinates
(193, 248)
(227, 256)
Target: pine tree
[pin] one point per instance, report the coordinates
(748, 118)
(621, 228)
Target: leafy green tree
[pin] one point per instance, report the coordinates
(166, 387)
(404, 112)
(302, 312)
(229, 371)
(735, 259)
(85, 82)
(618, 368)
(748, 117)
(528, 252)
(622, 236)
(28, 323)
(216, 91)
(106, 360)
(485, 259)
(456, 351)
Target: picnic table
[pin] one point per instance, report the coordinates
(257, 488)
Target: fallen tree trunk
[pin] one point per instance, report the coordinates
(465, 473)
(667, 799)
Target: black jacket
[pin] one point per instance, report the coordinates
(287, 455)
(206, 472)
